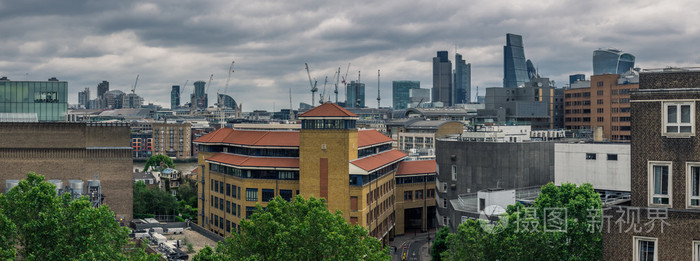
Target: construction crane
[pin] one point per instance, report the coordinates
(358, 101)
(221, 101)
(337, 79)
(323, 95)
(313, 85)
(179, 94)
(206, 90)
(133, 90)
(379, 97)
(345, 83)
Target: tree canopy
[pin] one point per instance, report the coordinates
(45, 226)
(152, 201)
(158, 160)
(298, 230)
(560, 225)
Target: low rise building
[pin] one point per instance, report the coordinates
(415, 196)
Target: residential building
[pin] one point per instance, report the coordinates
(199, 98)
(146, 177)
(514, 66)
(415, 196)
(172, 139)
(356, 95)
(175, 97)
(462, 81)
(401, 93)
(90, 159)
(442, 79)
(102, 88)
(468, 167)
(662, 222)
(612, 61)
(113, 99)
(47, 99)
(84, 98)
(354, 170)
(142, 144)
(603, 103)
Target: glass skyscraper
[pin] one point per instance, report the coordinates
(576, 77)
(175, 97)
(47, 99)
(514, 67)
(611, 61)
(199, 98)
(462, 86)
(442, 79)
(400, 93)
(356, 95)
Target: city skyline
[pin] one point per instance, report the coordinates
(168, 44)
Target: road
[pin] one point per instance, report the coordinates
(412, 248)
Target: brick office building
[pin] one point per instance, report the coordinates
(72, 151)
(605, 103)
(663, 219)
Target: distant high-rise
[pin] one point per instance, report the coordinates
(462, 86)
(442, 78)
(131, 101)
(576, 77)
(84, 98)
(419, 97)
(102, 88)
(611, 61)
(113, 99)
(514, 65)
(400, 93)
(531, 70)
(227, 101)
(175, 97)
(356, 95)
(199, 97)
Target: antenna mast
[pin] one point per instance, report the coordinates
(379, 97)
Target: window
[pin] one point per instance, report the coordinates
(600, 119)
(233, 191)
(454, 172)
(249, 211)
(419, 194)
(600, 93)
(268, 195)
(600, 84)
(251, 194)
(216, 202)
(233, 209)
(408, 195)
(228, 206)
(216, 186)
(286, 194)
(221, 204)
(353, 203)
(693, 180)
(228, 189)
(612, 156)
(660, 183)
(645, 249)
(678, 119)
(696, 250)
(590, 156)
(600, 110)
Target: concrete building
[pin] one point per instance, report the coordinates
(113, 99)
(84, 98)
(466, 167)
(400, 92)
(415, 196)
(606, 166)
(612, 61)
(538, 102)
(102, 88)
(418, 98)
(132, 101)
(498, 133)
(72, 154)
(604, 103)
(172, 139)
(417, 136)
(356, 95)
(665, 172)
(514, 64)
(47, 99)
(462, 81)
(442, 79)
(329, 158)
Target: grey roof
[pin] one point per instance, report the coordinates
(418, 123)
(440, 111)
(126, 112)
(143, 175)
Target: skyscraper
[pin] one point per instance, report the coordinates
(462, 79)
(442, 78)
(226, 101)
(356, 95)
(199, 97)
(531, 70)
(102, 88)
(175, 97)
(400, 93)
(514, 67)
(611, 61)
(84, 97)
(576, 77)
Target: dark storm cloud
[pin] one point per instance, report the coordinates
(169, 42)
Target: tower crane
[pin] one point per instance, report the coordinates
(222, 101)
(345, 83)
(337, 79)
(379, 97)
(206, 90)
(313, 85)
(323, 95)
(133, 90)
(179, 94)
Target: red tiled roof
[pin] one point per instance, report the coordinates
(370, 137)
(417, 167)
(245, 161)
(328, 110)
(375, 161)
(252, 138)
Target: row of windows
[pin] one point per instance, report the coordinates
(647, 249)
(361, 180)
(661, 187)
(592, 156)
(373, 150)
(259, 152)
(255, 174)
(408, 195)
(416, 179)
(231, 190)
(328, 124)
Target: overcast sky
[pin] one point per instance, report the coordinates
(170, 42)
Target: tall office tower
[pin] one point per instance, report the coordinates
(175, 97)
(531, 70)
(356, 95)
(199, 97)
(514, 67)
(611, 61)
(84, 97)
(102, 88)
(576, 77)
(442, 79)
(462, 81)
(400, 93)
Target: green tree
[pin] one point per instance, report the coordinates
(298, 230)
(159, 160)
(152, 201)
(51, 227)
(511, 242)
(8, 233)
(440, 243)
